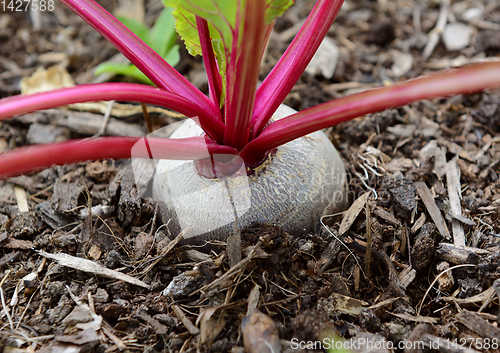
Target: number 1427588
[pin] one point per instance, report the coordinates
(25, 5)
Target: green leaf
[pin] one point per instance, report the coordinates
(123, 69)
(185, 25)
(162, 36)
(221, 17)
(173, 57)
(138, 28)
(275, 8)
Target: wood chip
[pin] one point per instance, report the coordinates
(389, 217)
(133, 9)
(446, 281)
(477, 299)
(486, 147)
(432, 149)
(454, 194)
(253, 299)
(341, 304)
(429, 150)
(89, 124)
(158, 327)
(210, 325)
(325, 59)
(91, 267)
(198, 256)
(12, 243)
(468, 169)
(487, 316)
(260, 334)
(407, 276)
(234, 245)
(352, 213)
(418, 224)
(456, 255)
(288, 34)
(22, 201)
(166, 250)
(3, 236)
(86, 337)
(434, 212)
(496, 287)
(480, 326)
(456, 149)
(424, 319)
(255, 253)
(398, 165)
(383, 304)
(433, 36)
(9, 258)
(193, 330)
(108, 331)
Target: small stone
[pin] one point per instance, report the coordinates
(424, 248)
(260, 333)
(181, 286)
(142, 245)
(101, 296)
(61, 310)
(4, 145)
(3, 220)
(403, 193)
(112, 259)
(402, 130)
(402, 63)
(7, 192)
(42, 134)
(325, 60)
(95, 252)
(471, 14)
(167, 319)
(77, 316)
(24, 225)
(457, 36)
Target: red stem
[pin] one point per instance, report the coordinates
(142, 56)
(292, 64)
(32, 158)
(469, 79)
(214, 79)
(110, 91)
(243, 74)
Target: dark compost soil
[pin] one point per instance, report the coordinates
(392, 282)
